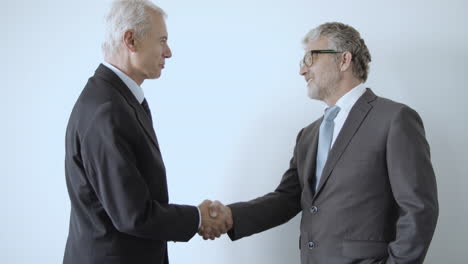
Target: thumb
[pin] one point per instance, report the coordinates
(214, 209)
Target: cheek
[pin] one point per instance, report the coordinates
(153, 53)
(321, 72)
(158, 51)
(153, 57)
(314, 74)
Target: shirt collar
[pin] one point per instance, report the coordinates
(347, 101)
(136, 90)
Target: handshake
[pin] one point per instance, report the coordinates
(216, 219)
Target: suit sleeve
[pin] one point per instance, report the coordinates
(270, 210)
(414, 188)
(111, 166)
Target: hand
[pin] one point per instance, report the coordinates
(219, 209)
(216, 219)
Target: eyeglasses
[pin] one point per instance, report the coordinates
(308, 58)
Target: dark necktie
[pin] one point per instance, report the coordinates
(147, 109)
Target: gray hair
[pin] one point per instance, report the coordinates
(343, 37)
(127, 15)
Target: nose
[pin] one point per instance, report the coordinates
(303, 70)
(167, 52)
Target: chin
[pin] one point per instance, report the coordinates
(155, 75)
(313, 92)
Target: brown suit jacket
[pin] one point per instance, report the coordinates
(377, 198)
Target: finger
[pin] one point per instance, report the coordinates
(213, 212)
(204, 204)
(206, 236)
(216, 233)
(201, 232)
(219, 231)
(213, 233)
(228, 225)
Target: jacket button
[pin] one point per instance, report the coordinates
(312, 245)
(313, 209)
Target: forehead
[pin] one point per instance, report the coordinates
(158, 25)
(318, 44)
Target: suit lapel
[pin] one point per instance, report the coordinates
(143, 118)
(355, 118)
(311, 145)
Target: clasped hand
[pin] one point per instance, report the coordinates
(216, 219)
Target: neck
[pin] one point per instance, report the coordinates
(125, 66)
(343, 88)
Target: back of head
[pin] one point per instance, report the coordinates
(127, 15)
(342, 37)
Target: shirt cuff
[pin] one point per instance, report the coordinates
(199, 218)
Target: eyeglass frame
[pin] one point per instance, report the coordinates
(312, 52)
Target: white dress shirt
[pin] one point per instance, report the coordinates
(137, 91)
(131, 84)
(346, 103)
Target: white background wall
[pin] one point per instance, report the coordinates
(226, 110)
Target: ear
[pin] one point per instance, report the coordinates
(346, 59)
(130, 40)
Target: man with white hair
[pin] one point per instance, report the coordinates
(116, 179)
(361, 174)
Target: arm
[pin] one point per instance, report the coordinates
(414, 188)
(111, 166)
(271, 210)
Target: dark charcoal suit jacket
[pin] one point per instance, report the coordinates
(377, 198)
(120, 211)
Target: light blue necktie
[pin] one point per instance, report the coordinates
(325, 139)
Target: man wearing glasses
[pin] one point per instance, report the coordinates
(361, 174)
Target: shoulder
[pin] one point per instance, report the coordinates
(101, 106)
(393, 110)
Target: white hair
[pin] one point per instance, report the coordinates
(127, 15)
